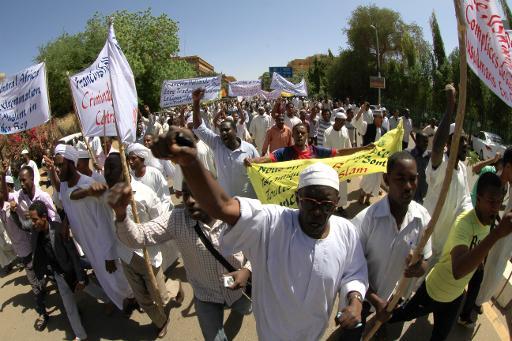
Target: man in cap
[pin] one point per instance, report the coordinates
(258, 128)
(301, 259)
(82, 165)
(90, 223)
(337, 136)
(370, 132)
(458, 198)
(229, 151)
(28, 162)
(138, 157)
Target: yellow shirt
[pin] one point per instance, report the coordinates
(469, 231)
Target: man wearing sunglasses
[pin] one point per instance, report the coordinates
(301, 259)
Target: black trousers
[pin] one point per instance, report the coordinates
(422, 304)
(472, 293)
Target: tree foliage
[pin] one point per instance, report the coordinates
(149, 43)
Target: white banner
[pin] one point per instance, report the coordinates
(244, 88)
(24, 100)
(488, 47)
(178, 92)
(278, 82)
(274, 94)
(92, 93)
(124, 93)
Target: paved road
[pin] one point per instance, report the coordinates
(17, 315)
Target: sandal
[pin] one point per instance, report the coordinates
(41, 322)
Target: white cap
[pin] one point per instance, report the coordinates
(24, 151)
(319, 174)
(452, 129)
(341, 115)
(139, 150)
(68, 152)
(9, 179)
(83, 154)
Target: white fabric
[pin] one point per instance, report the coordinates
(280, 83)
(457, 200)
(340, 114)
(430, 132)
(37, 176)
(24, 151)
(258, 129)
(295, 278)
(290, 122)
(7, 254)
(386, 246)
(91, 227)
(319, 174)
(244, 88)
(83, 154)
(178, 92)
(407, 122)
(496, 263)
(155, 180)
(205, 156)
(139, 150)
(68, 152)
(339, 140)
(9, 179)
(24, 100)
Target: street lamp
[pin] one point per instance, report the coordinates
(378, 57)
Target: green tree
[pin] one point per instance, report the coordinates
(441, 73)
(149, 43)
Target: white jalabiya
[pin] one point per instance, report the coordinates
(338, 139)
(457, 201)
(155, 180)
(495, 264)
(7, 254)
(92, 229)
(258, 129)
(295, 278)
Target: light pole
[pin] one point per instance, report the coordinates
(378, 57)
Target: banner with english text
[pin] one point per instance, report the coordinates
(178, 92)
(93, 94)
(276, 182)
(488, 46)
(24, 100)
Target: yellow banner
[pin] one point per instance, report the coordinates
(276, 183)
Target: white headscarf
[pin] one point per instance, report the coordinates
(68, 152)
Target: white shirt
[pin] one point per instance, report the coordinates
(337, 139)
(368, 116)
(407, 128)
(385, 246)
(155, 180)
(231, 171)
(258, 129)
(393, 122)
(430, 132)
(290, 122)
(457, 200)
(242, 133)
(295, 278)
(205, 156)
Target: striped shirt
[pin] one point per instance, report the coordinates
(203, 271)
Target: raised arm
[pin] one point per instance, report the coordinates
(196, 99)
(441, 135)
(350, 151)
(204, 187)
(52, 172)
(477, 168)
(5, 192)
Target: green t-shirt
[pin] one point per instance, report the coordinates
(469, 231)
(486, 169)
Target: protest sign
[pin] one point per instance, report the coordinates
(488, 47)
(124, 92)
(244, 88)
(24, 100)
(278, 82)
(276, 183)
(92, 93)
(178, 92)
(274, 94)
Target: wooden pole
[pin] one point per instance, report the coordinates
(149, 267)
(91, 154)
(452, 161)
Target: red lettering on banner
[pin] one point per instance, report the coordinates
(104, 117)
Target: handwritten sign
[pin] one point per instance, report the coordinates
(24, 100)
(244, 88)
(488, 47)
(178, 92)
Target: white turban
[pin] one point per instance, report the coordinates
(452, 130)
(9, 179)
(341, 115)
(68, 152)
(319, 174)
(139, 150)
(83, 154)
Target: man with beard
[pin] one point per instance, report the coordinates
(302, 259)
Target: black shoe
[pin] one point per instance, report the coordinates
(41, 322)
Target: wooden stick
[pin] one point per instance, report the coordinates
(149, 267)
(452, 161)
(91, 154)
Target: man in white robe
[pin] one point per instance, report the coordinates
(301, 259)
(91, 226)
(258, 128)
